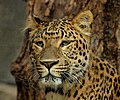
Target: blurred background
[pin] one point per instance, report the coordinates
(12, 18)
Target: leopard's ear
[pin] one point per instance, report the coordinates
(83, 20)
(33, 21)
(37, 20)
(85, 16)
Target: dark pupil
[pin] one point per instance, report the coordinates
(64, 43)
(40, 43)
(83, 26)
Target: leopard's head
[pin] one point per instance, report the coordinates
(59, 50)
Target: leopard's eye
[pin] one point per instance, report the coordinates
(82, 26)
(64, 43)
(40, 43)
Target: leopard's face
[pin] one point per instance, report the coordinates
(59, 52)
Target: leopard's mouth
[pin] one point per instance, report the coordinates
(51, 80)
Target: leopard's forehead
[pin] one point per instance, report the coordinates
(58, 28)
(57, 24)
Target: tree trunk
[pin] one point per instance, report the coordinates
(105, 40)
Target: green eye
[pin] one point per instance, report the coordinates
(40, 43)
(64, 43)
(82, 26)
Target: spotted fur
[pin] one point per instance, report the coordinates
(63, 65)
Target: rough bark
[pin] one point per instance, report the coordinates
(105, 40)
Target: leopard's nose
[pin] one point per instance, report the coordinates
(49, 63)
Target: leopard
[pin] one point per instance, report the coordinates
(63, 64)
